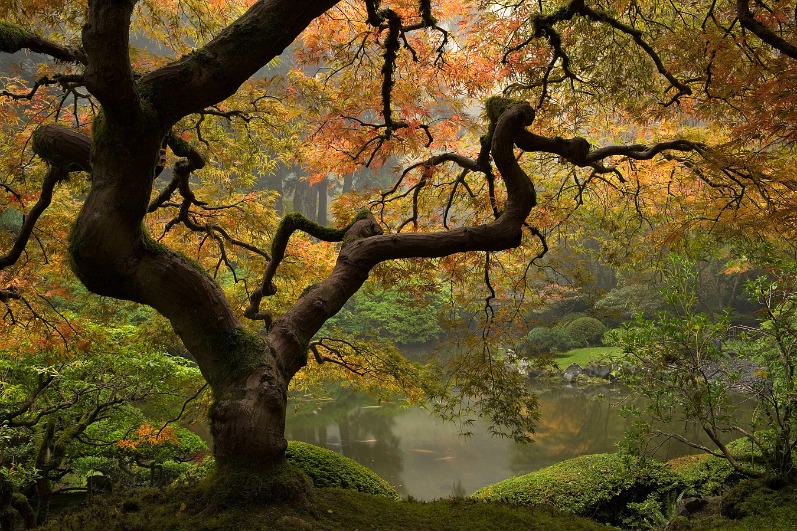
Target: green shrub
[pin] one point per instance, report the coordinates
(325, 468)
(585, 331)
(329, 469)
(748, 498)
(195, 473)
(543, 340)
(609, 488)
(568, 318)
(394, 314)
(703, 474)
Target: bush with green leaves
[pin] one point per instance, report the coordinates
(153, 453)
(394, 314)
(544, 340)
(328, 469)
(683, 368)
(57, 410)
(704, 474)
(585, 331)
(628, 300)
(610, 488)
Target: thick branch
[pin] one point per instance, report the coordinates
(641, 151)
(578, 151)
(291, 333)
(290, 224)
(14, 38)
(109, 75)
(749, 22)
(11, 292)
(388, 68)
(63, 147)
(214, 72)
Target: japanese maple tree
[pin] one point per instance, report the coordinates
(123, 89)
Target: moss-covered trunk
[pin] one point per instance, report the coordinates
(248, 422)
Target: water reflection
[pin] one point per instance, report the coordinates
(350, 425)
(427, 459)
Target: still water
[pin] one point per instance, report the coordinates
(426, 458)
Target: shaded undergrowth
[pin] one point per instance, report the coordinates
(193, 509)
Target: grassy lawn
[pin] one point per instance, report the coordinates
(583, 356)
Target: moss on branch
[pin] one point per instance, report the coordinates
(12, 37)
(496, 106)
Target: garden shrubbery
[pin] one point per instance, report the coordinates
(610, 488)
(544, 340)
(393, 314)
(703, 474)
(585, 331)
(572, 331)
(329, 469)
(325, 468)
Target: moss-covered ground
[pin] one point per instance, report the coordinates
(325, 509)
(747, 505)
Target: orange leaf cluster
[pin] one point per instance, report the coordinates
(146, 434)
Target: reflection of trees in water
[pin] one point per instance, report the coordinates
(572, 422)
(349, 426)
(434, 461)
(457, 490)
(576, 422)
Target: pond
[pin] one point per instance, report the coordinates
(425, 458)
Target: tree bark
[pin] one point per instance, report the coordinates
(248, 422)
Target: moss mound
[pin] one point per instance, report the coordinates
(328, 469)
(703, 474)
(609, 488)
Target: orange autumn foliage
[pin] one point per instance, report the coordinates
(147, 434)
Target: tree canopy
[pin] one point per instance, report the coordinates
(140, 137)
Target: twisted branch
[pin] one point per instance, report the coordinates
(290, 224)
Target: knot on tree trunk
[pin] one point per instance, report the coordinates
(363, 228)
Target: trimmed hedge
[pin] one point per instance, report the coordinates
(609, 488)
(585, 331)
(328, 469)
(543, 340)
